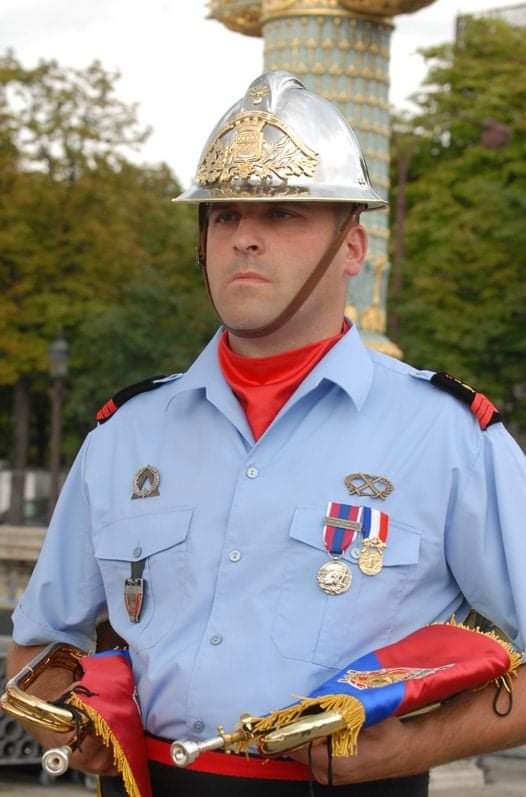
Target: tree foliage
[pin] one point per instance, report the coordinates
(462, 302)
(83, 232)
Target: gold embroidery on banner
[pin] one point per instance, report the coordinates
(375, 679)
(247, 149)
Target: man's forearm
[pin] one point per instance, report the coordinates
(466, 726)
(470, 725)
(50, 685)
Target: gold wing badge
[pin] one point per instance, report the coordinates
(250, 148)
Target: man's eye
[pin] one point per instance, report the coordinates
(224, 216)
(281, 213)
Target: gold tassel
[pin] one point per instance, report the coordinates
(344, 742)
(105, 734)
(516, 657)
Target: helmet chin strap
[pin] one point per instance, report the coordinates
(298, 299)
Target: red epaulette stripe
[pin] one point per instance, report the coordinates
(237, 766)
(483, 409)
(106, 411)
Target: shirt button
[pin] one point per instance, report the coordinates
(199, 726)
(355, 553)
(252, 472)
(234, 556)
(216, 639)
(137, 552)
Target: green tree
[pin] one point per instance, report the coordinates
(462, 300)
(79, 225)
(66, 131)
(162, 316)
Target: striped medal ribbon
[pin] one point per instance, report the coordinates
(341, 527)
(375, 529)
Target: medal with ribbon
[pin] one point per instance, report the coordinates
(342, 525)
(375, 529)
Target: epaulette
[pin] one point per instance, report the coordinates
(112, 405)
(482, 408)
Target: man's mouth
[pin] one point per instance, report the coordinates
(249, 276)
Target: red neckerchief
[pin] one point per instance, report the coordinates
(264, 384)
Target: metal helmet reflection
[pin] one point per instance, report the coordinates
(282, 142)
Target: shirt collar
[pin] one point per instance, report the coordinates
(348, 364)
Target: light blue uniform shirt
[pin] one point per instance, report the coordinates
(233, 619)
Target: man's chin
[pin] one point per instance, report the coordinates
(247, 314)
(245, 324)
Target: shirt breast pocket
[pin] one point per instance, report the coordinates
(330, 630)
(161, 541)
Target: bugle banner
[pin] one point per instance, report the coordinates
(425, 668)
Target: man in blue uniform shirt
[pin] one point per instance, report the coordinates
(214, 486)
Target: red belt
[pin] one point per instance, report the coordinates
(237, 766)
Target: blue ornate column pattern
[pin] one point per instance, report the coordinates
(340, 49)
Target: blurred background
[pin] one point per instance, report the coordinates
(104, 107)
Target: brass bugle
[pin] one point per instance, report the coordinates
(20, 704)
(55, 761)
(300, 732)
(184, 752)
(280, 740)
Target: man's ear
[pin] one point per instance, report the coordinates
(356, 249)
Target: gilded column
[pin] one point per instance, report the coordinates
(339, 49)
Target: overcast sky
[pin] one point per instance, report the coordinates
(185, 70)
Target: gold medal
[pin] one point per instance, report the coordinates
(371, 559)
(334, 577)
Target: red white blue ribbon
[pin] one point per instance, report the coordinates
(375, 524)
(342, 526)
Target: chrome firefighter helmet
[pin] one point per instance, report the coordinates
(282, 142)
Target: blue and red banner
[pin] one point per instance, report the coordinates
(423, 669)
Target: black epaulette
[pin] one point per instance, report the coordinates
(482, 408)
(112, 405)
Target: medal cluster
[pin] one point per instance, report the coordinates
(343, 523)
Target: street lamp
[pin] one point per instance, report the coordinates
(58, 355)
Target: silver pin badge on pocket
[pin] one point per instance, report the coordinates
(146, 482)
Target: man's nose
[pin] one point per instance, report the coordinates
(248, 238)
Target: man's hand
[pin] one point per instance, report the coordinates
(466, 725)
(93, 757)
(383, 752)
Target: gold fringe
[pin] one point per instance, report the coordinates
(516, 657)
(344, 742)
(352, 711)
(105, 734)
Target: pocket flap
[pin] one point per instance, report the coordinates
(138, 537)
(403, 543)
